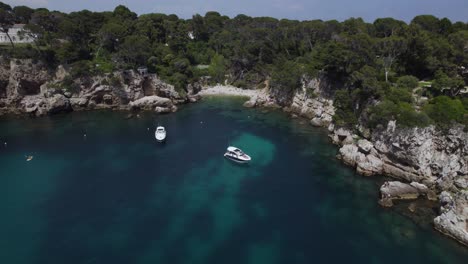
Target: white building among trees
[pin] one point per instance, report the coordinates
(15, 35)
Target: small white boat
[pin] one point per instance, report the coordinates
(236, 155)
(160, 134)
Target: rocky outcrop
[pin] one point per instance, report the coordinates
(395, 190)
(312, 102)
(436, 158)
(31, 88)
(154, 103)
(453, 220)
(432, 160)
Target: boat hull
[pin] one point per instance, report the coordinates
(237, 160)
(160, 139)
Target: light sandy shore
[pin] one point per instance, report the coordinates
(232, 91)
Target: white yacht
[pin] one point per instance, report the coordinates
(236, 155)
(160, 134)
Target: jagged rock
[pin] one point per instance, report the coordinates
(194, 98)
(347, 140)
(462, 182)
(316, 122)
(78, 102)
(271, 104)
(331, 127)
(194, 88)
(424, 153)
(370, 165)
(454, 216)
(58, 103)
(365, 146)
(342, 133)
(326, 119)
(107, 98)
(349, 154)
(252, 102)
(364, 131)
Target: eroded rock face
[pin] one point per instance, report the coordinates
(438, 157)
(395, 190)
(27, 87)
(26, 78)
(453, 220)
(58, 103)
(3, 88)
(310, 102)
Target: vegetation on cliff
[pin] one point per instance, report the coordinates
(377, 66)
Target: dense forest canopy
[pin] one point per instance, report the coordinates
(380, 64)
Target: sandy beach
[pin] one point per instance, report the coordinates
(233, 91)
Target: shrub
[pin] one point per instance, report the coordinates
(403, 113)
(408, 81)
(444, 110)
(398, 95)
(382, 113)
(80, 68)
(408, 117)
(344, 114)
(286, 75)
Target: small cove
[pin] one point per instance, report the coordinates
(116, 196)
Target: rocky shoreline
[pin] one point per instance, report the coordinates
(427, 162)
(32, 89)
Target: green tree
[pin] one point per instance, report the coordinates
(286, 75)
(443, 83)
(217, 68)
(7, 20)
(23, 14)
(344, 104)
(389, 49)
(444, 110)
(408, 81)
(135, 50)
(388, 27)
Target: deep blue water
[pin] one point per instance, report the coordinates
(116, 196)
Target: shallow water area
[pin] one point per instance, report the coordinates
(100, 189)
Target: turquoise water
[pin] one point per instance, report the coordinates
(116, 196)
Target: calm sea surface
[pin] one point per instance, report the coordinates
(117, 196)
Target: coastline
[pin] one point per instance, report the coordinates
(367, 157)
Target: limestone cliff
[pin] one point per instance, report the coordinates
(31, 88)
(434, 161)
